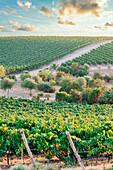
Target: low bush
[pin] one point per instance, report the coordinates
(107, 78)
(94, 95)
(97, 75)
(106, 97)
(24, 75)
(62, 96)
(46, 87)
(85, 95)
(82, 72)
(75, 97)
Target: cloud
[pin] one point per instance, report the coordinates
(2, 27)
(27, 4)
(100, 28)
(46, 11)
(20, 16)
(19, 3)
(27, 27)
(70, 9)
(22, 27)
(3, 12)
(65, 22)
(11, 10)
(73, 7)
(107, 24)
(33, 7)
(14, 24)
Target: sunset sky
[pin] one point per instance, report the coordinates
(56, 17)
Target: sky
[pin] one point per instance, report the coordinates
(56, 17)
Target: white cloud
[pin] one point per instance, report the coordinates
(27, 4)
(20, 16)
(11, 10)
(33, 7)
(14, 24)
(27, 27)
(19, 3)
(22, 27)
(3, 12)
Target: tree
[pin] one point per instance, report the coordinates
(46, 87)
(37, 78)
(82, 81)
(88, 78)
(74, 68)
(86, 66)
(7, 83)
(2, 71)
(97, 75)
(29, 84)
(66, 83)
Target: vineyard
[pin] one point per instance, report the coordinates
(45, 125)
(27, 53)
(101, 55)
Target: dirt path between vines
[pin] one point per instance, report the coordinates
(71, 56)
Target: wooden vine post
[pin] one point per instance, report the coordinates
(27, 147)
(75, 151)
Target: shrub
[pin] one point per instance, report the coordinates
(82, 81)
(75, 97)
(93, 95)
(97, 75)
(74, 68)
(59, 75)
(82, 72)
(85, 95)
(91, 83)
(76, 85)
(88, 78)
(64, 69)
(25, 75)
(37, 78)
(106, 97)
(46, 87)
(62, 96)
(98, 83)
(52, 82)
(107, 78)
(66, 83)
(86, 66)
(12, 77)
(46, 75)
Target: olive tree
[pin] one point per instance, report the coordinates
(82, 81)
(7, 84)
(29, 84)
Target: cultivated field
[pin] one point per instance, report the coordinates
(45, 126)
(27, 53)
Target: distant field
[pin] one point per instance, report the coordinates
(27, 53)
(101, 55)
